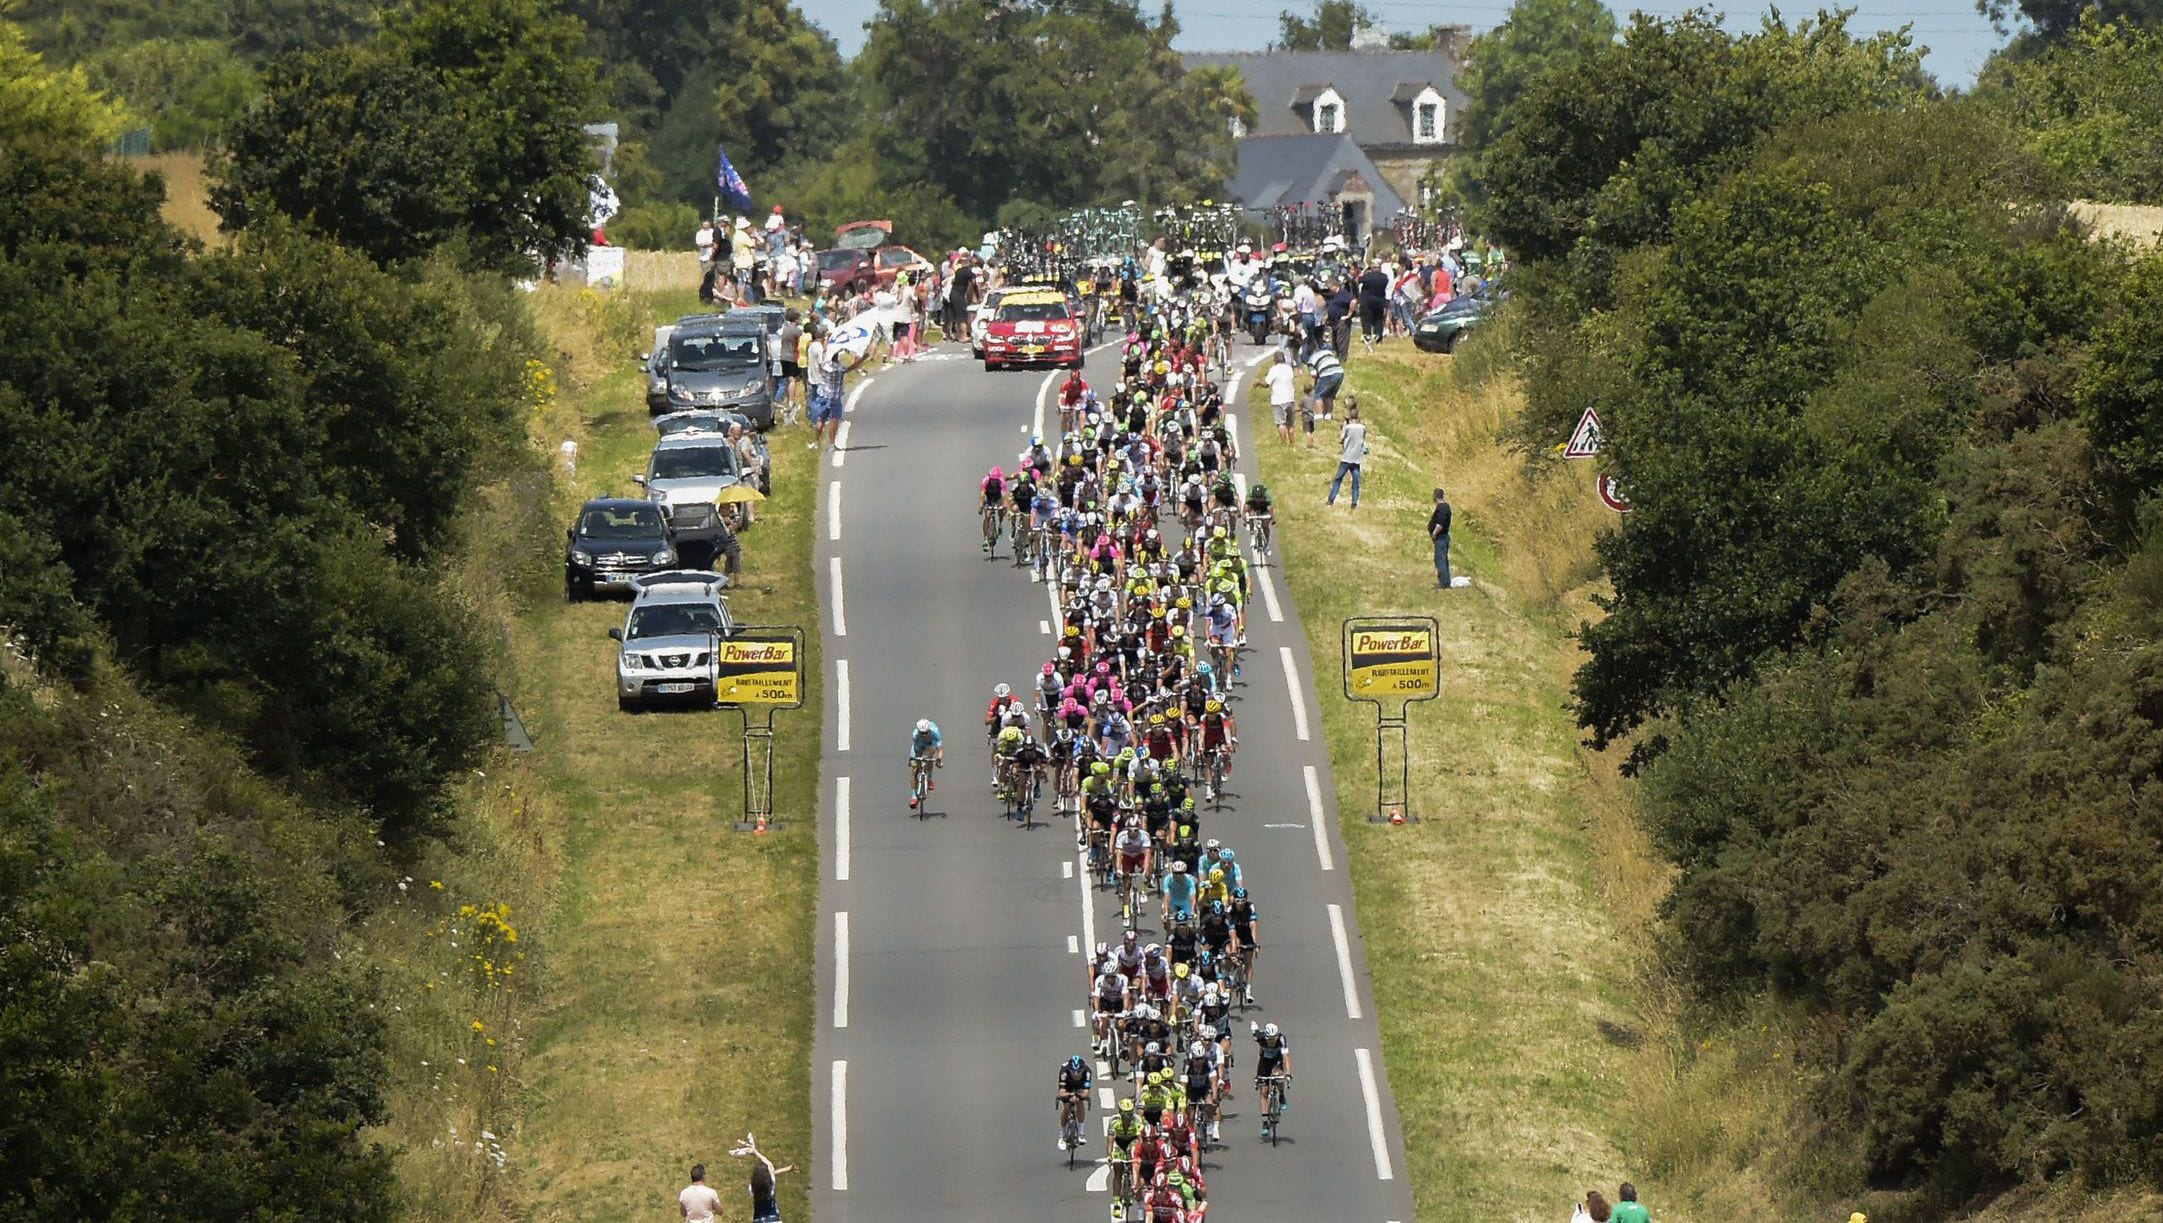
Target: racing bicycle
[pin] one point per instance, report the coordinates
(919, 784)
(1273, 1088)
(1019, 535)
(990, 515)
(1211, 775)
(1258, 526)
(1070, 1125)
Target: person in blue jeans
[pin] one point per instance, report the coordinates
(1351, 451)
(1438, 529)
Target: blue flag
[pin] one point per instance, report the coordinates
(730, 184)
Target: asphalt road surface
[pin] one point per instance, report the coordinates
(951, 948)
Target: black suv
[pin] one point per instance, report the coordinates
(614, 540)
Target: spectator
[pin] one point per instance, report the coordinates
(1307, 310)
(765, 1205)
(788, 340)
(1438, 529)
(1340, 319)
(1594, 1209)
(698, 1203)
(703, 241)
(1627, 1210)
(960, 292)
(1351, 451)
(744, 259)
(1328, 374)
(727, 549)
(1283, 394)
(1374, 286)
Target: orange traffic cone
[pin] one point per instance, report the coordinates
(759, 829)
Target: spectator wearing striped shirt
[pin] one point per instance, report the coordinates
(1328, 374)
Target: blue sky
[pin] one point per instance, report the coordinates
(1959, 38)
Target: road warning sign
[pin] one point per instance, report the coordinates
(1585, 438)
(761, 667)
(1611, 493)
(1392, 659)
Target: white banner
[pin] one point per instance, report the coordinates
(604, 266)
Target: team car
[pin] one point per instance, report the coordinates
(685, 476)
(677, 621)
(1033, 327)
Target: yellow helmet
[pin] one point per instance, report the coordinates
(1215, 705)
(1156, 719)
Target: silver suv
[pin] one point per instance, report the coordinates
(676, 623)
(683, 476)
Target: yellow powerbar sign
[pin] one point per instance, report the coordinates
(759, 670)
(1385, 661)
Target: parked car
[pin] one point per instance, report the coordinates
(863, 255)
(717, 421)
(684, 475)
(613, 541)
(1440, 330)
(716, 361)
(1033, 327)
(669, 638)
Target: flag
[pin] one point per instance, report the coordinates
(730, 184)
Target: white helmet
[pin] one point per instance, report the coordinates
(1207, 1031)
(1152, 1047)
(923, 726)
(1002, 691)
(1269, 1030)
(1103, 948)
(1198, 1049)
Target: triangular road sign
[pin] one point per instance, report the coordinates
(1585, 439)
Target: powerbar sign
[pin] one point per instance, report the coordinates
(761, 667)
(1392, 659)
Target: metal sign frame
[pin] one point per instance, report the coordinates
(1386, 725)
(758, 732)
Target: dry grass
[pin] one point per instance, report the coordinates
(660, 271)
(678, 968)
(2137, 223)
(187, 194)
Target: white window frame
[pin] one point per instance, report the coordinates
(1328, 98)
(1431, 96)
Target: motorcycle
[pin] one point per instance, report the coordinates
(1259, 306)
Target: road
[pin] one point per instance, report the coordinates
(951, 949)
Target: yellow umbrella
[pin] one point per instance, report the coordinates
(736, 493)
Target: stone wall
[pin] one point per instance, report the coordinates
(1403, 175)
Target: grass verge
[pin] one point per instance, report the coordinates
(1506, 930)
(679, 967)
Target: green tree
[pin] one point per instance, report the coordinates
(1329, 28)
(2089, 104)
(459, 122)
(1537, 36)
(189, 88)
(1222, 91)
(2054, 19)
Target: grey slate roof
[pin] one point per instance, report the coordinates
(1306, 168)
(1377, 87)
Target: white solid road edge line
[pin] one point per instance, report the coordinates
(1284, 653)
(841, 968)
(841, 622)
(841, 829)
(841, 443)
(1375, 1136)
(1315, 816)
(833, 510)
(841, 705)
(1344, 961)
(839, 1112)
(1089, 912)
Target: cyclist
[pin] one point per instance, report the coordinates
(1272, 1061)
(1002, 699)
(1246, 935)
(1201, 1080)
(1259, 510)
(1124, 1134)
(1074, 1084)
(1178, 895)
(1134, 851)
(1005, 775)
(991, 491)
(1111, 997)
(1026, 765)
(926, 751)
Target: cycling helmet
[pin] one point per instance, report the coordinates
(1216, 906)
(1208, 1031)
(1180, 971)
(1179, 630)
(1103, 948)
(1156, 719)
(1035, 440)
(923, 726)
(1002, 692)
(1179, 868)
(1215, 705)
(1216, 875)
(1050, 669)
(1153, 949)
(1075, 1062)
(1126, 1106)
(1132, 936)
(1239, 893)
(1198, 1049)
(1269, 1030)
(1212, 845)
(1227, 855)
(995, 474)
(1152, 1047)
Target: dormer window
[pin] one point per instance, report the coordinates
(1328, 111)
(1429, 117)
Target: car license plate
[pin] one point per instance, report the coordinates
(672, 689)
(1032, 349)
